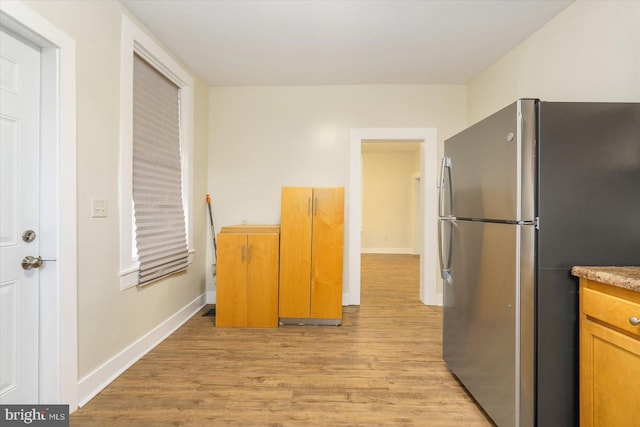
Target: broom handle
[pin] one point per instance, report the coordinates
(213, 229)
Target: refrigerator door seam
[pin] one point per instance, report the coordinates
(518, 328)
(519, 163)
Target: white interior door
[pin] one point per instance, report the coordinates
(19, 213)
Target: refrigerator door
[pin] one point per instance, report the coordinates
(492, 166)
(483, 321)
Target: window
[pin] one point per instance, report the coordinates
(155, 161)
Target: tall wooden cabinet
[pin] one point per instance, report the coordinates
(311, 242)
(247, 277)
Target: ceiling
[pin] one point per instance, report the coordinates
(320, 42)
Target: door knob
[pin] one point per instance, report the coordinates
(30, 262)
(29, 236)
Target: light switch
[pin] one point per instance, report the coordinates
(98, 208)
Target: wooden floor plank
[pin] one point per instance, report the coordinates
(382, 367)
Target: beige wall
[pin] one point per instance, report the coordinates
(589, 52)
(110, 319)
(388, 205)
(262, 138)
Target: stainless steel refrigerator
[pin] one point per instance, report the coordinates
(524, 195)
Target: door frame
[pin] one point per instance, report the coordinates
(416, 181)
(429, 173)
(58, 343)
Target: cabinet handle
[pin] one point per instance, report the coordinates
(249, 254)
(634, 321)
(308, 206)
(242, 253)
(315, 207)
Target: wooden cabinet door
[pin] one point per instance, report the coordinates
(262, 280)
(326, 257)
(609, 377)
(231, 280)
(295, 252)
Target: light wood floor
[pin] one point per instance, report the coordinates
(382, 367)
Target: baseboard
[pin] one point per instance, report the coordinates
(96, 381)
(408, 251)
(345, 298)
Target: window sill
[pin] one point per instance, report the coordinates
(129, 277)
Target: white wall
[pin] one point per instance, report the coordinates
(388, 205)
(109, 319)
(262, 138)
(589, 52)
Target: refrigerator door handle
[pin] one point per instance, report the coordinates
(445, 264)
(445, 267)
(444, 165)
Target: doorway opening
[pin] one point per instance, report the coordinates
(427, 140)
(391, 214)
(391, 218)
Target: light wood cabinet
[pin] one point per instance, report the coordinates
(609, 355)
(247, 277)
(311, 244)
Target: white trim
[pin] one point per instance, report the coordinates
(129, 277)
(417, 214)
(134, 39)
(428, 170)
(211, 297)
(93, 383)
(58, 313)
(406, 251)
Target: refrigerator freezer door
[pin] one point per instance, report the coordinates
(481, 317)
(492, 166)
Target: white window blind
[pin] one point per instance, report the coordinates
(160, 233)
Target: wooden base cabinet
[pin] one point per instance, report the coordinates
(311, 244)
(609, 355)
(247, 277)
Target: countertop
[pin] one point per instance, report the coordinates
(251, 228)
(622, 277)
